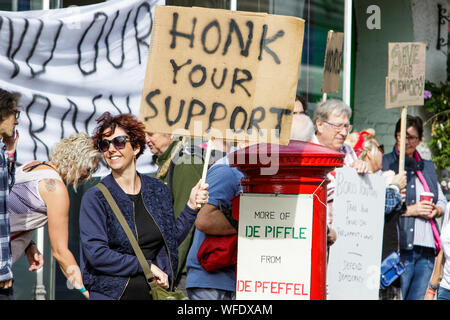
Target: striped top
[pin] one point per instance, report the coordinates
(423, 234)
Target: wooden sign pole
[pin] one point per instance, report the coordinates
(401, 163)
(207, 157)
(206, 163)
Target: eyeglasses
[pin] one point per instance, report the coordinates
(118, 143)
(338, 128)
(409, 138)
(381, 148)
(16, 114)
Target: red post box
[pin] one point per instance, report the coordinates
(302, 169)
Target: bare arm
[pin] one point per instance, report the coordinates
(436, 276)
(210, 220)
(55, 195)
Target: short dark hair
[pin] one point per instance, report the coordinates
(411, 121)
(303, 101)
(8, 103)
(134, 128)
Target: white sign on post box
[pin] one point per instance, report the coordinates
(358, 211)
(274, 247)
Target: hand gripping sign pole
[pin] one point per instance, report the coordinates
(206, 163)
(405, 83)
(231, 74)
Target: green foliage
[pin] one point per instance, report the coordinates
(437, 102)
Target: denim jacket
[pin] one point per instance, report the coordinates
(406, 224)
(107, 257)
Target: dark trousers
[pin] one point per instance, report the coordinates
(6, 294)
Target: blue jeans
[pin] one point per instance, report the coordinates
(210, 294)
(419, 264)
(443, 294)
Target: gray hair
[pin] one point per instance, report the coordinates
(324, 109)
(302, 128)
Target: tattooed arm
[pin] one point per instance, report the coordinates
(56, 197)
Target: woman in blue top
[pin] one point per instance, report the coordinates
(419, 243)
(109, 265)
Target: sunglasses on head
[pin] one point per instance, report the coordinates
(118, 143)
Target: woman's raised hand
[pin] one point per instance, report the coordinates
(199, 195)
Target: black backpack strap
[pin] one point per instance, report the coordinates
(228, 213)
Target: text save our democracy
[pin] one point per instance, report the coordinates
(182, 103)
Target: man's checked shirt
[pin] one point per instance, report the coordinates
(6, 182)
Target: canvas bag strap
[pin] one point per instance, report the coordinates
(137, 250)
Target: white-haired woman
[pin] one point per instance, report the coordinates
(40, 195)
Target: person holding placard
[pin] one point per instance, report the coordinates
(332, 125)
(368, 149)
(111, 270)
(419, 236)
(215, 219)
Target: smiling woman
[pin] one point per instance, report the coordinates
(109, 264)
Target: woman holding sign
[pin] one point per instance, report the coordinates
(419, 237)
(368, 149)
(111, 269)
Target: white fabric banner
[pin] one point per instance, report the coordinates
(70, 65)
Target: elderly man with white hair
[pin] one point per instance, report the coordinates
(332, 125)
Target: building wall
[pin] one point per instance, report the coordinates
(371, 65)
(401, 21)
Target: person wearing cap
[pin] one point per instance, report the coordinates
(419, 234)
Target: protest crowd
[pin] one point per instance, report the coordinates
(109, 267)
(175, 232)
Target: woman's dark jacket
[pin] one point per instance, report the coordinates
(107, 258)
(406, 224)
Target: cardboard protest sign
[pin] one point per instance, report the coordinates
(405, 82)
(274, 247)
(222, 74)
(358, 210)
(332, 63)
